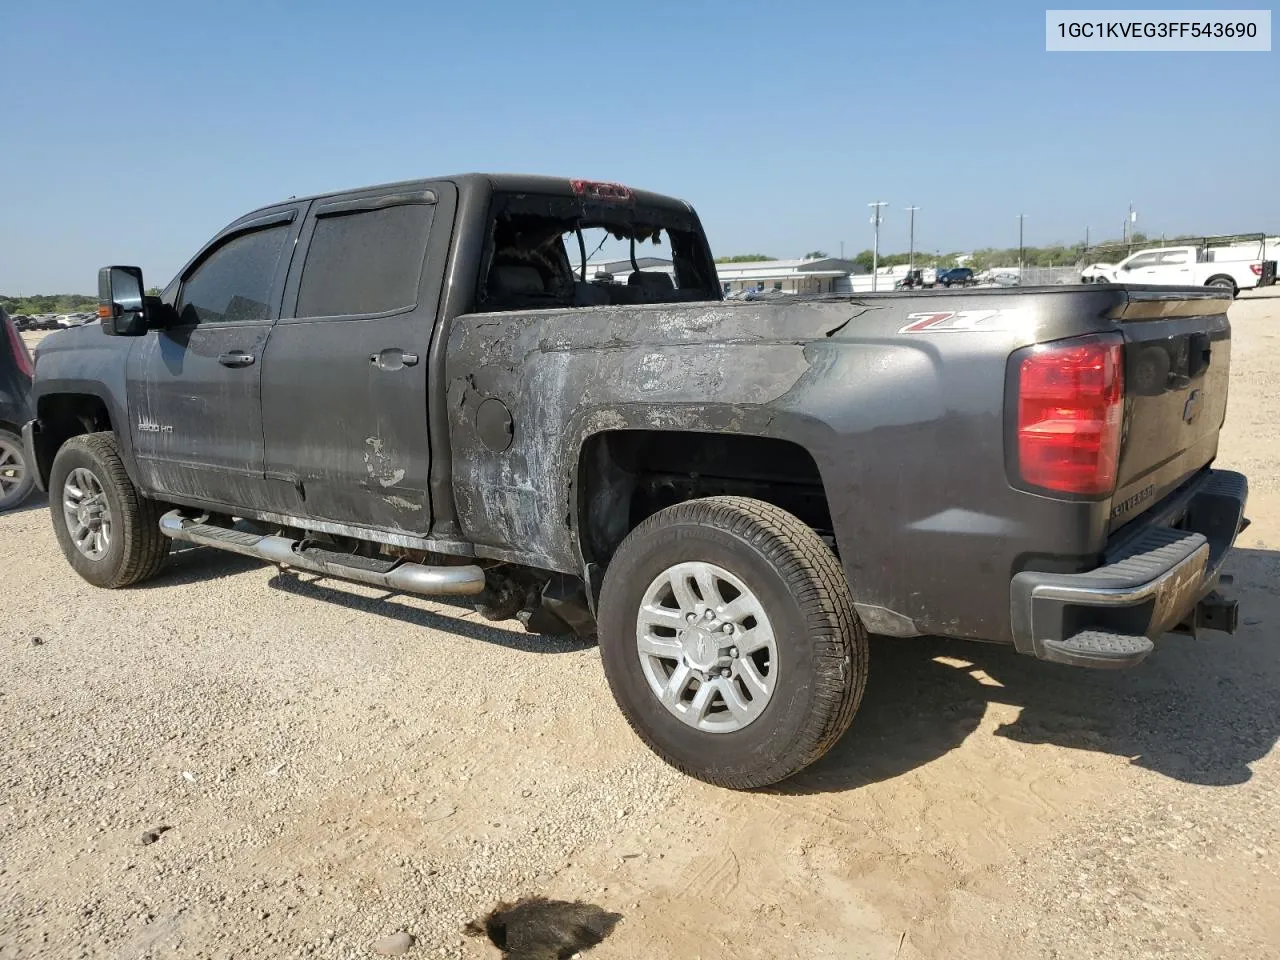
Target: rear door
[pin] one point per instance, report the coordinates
(346, 373)
(1172, 267)
(194, 389)
(1177, 367)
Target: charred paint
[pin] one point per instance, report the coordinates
(902, 429)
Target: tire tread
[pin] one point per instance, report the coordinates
(821, 590)
(145, 548)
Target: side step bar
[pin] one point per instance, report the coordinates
(399, 575)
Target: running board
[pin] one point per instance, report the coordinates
(401, 576)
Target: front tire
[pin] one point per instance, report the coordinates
(107, 530)
(730, 642)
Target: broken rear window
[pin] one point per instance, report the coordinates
(553, 252)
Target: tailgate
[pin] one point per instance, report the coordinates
(1177, 366)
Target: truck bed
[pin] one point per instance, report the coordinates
(898, 397)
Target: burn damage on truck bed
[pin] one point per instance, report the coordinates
(623, 376)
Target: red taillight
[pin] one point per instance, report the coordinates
(21, 355)
(1070, 406)
(1256, 268)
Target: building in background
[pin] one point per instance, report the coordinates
(821, 275)
(620, 270)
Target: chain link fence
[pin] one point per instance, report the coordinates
(1045, 276)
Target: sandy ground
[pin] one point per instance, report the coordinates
(334, 768)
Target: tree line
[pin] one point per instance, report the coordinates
(49, 303)
(1055, 255)
(42, 303)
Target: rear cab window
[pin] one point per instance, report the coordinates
(556, 251)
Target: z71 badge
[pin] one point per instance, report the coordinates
(962, 321)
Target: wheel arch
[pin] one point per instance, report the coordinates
(63, 415)
(624, 475)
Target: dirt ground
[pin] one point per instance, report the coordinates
(333, 768)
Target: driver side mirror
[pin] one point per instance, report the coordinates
(120, 302)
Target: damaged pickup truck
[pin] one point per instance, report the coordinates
(427, 386)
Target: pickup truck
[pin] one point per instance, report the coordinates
(417, 386)
(1186, 266)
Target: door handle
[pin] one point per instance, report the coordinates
(237, 358)
(393, 358)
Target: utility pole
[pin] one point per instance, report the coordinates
(1131, 219)
(841, 249)
(876, 220)
(1021, 217)
(911, 254)
(1086, 243)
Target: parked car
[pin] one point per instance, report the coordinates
(955, 277)
(913, 280)
(1184, 266)
(16, 370)
(424, 396)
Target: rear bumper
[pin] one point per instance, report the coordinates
(1160, 576)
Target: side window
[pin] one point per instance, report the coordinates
(1142, 260)
(1174, 257)
(233, 283)
(365, 261)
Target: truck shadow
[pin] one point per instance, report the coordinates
(189, 563)
(1198, 711)
(318, 588)
(35, 501)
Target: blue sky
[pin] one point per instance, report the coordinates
(136, 130)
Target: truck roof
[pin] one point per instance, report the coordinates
(499, 182)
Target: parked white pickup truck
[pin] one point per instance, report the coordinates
(1182, 267)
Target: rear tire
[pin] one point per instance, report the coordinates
(1223, 281)
(107, 530)
(770, 631)
(16, 478)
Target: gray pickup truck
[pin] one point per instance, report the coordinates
(425, 386)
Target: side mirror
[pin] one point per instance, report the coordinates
(120, 302)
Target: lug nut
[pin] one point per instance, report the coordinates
(691, 617)
(728, 628)
(733, 652)
(725, 673)
(710, 614)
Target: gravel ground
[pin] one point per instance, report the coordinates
(234, 762)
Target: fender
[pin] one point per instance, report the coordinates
(82, 361)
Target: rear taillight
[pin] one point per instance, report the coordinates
(21, 355)
(1070, 408)
(1256, 268)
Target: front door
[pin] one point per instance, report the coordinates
(195, 388)
(345, 375)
